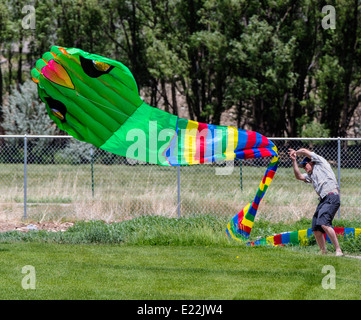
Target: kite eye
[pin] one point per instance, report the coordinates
(93, 68)
(101, 66)
(57, 108)
(57, 114)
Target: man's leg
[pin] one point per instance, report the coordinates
(320, 239)
(332, 235)
(318, 231)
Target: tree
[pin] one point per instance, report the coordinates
(6, 35)
(46, 29)
(270, 60)
(339, 74)
(24, 113)
(263, 75)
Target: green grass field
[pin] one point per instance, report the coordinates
(172, 273)
(155, 258)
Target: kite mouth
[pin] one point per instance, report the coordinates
(57, 74)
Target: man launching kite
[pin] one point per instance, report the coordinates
(320, 174)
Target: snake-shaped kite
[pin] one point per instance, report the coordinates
(96, 100)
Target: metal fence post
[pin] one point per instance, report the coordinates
(92, 169)
(25, 175)
(178, 191)
(339, 169)
(241, 173)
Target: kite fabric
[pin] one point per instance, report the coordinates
(240, 227)
(96, 100)
(302, 237)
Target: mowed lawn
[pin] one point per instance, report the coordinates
(64, 271)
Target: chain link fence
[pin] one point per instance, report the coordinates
(57, 178)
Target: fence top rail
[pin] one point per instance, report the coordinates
(318, 139)
(271, 138)
(31, 136)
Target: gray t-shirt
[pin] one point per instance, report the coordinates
(322, 178)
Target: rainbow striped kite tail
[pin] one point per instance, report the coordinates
(239, 228)
(235, 228)
(273, 165)
(249, 212)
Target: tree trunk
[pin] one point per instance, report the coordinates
(20, 61)
(1, 94)
(174, 99)
(164, 95)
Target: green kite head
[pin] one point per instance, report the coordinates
(86, 95)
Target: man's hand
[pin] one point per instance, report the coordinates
(292, 154)
(296, 170)
(304, 153)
